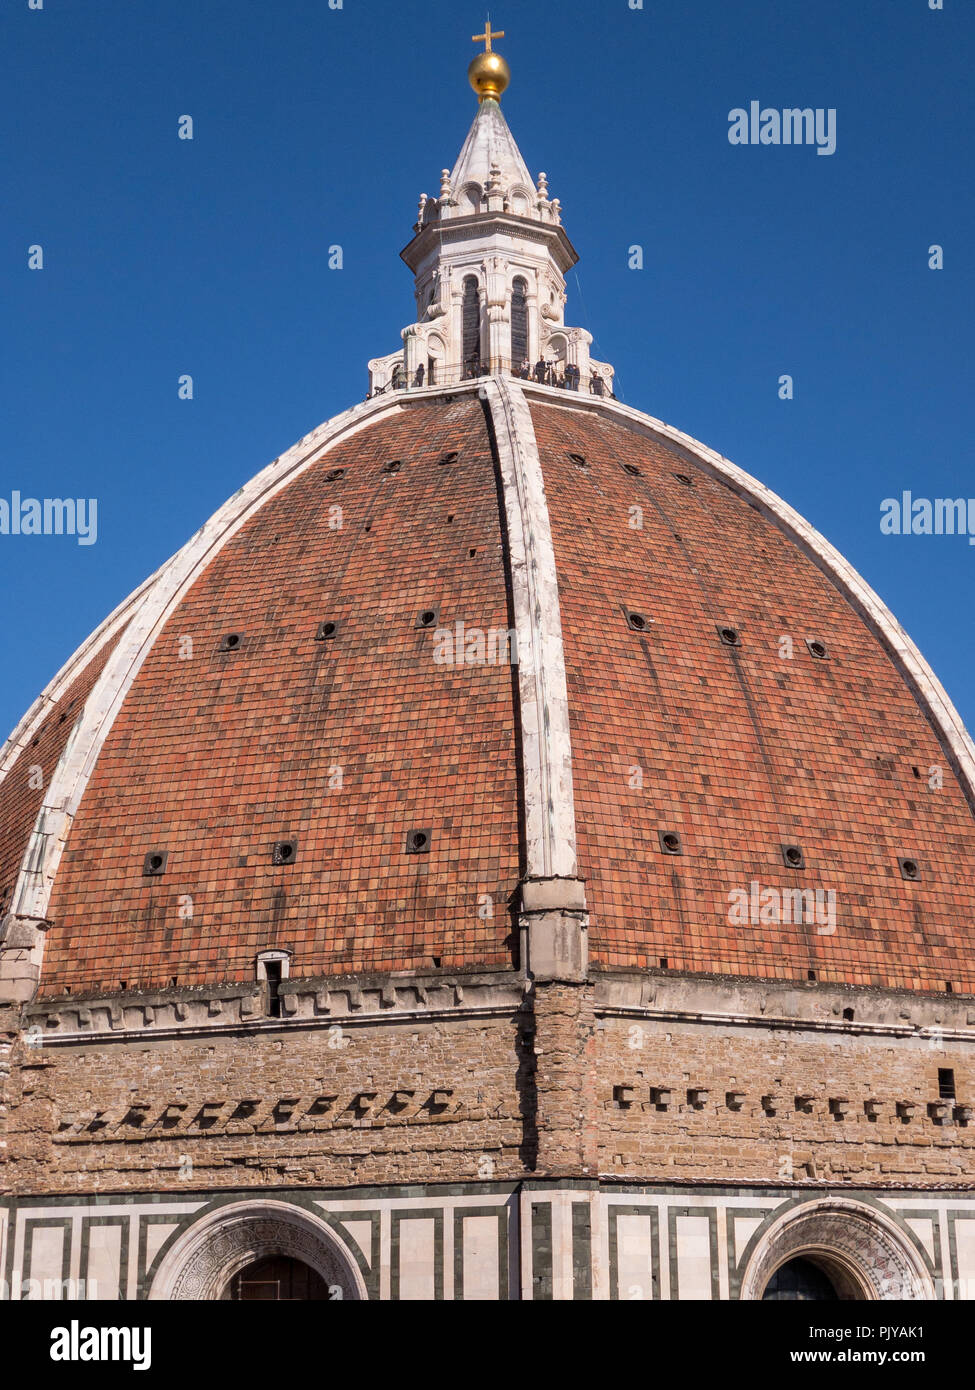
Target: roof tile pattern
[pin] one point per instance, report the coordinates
(345, 744)
(740, 749)
(342, 744)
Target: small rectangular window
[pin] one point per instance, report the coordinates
(946, 1083)
(272, 970)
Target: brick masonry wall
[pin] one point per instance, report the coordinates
(408, 1103)
(712, 1141)
(564, 1093)
(565, 1062)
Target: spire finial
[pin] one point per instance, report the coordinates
(488, 74)
(487, 36)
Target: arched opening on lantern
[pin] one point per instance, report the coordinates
(519, 323)
(471, 327)
(558, 347)
(435, 357)
(469, 199)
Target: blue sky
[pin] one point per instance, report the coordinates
(315, 126)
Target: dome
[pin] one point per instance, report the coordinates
(647, 585)
(506, 853)
(492, 658)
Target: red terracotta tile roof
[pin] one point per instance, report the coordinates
(214, 757)
(740, 750)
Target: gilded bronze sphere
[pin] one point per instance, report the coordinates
(489, 74)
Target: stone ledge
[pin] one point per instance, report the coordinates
(553, 894)
(305, 1002)
(731, 1002)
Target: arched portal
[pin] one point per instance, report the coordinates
(271, 1237)
(856, 1250)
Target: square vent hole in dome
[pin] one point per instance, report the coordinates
(428, 617)
(284, 852)
(154, 864)
(325, 631)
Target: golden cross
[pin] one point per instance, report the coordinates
(487, 36)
